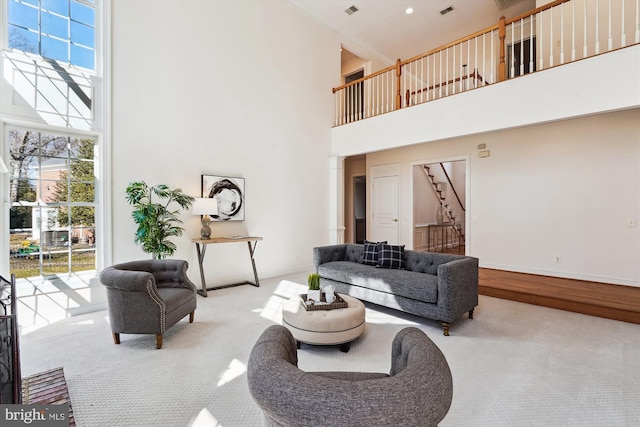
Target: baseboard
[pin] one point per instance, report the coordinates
(564, 275)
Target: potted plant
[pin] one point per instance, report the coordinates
(313, 280)
(157, 220)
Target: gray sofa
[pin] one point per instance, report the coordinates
(416, 392)
(433, 285)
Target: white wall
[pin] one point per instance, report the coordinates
(562, 189)
(238, 88)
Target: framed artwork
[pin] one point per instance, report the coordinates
(229, 192)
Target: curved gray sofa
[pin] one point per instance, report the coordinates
(433, 285)
(417, 391)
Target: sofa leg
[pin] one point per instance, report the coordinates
(445, 326)
(159, 341)
(471, 314)
(344, 347)
(116, 338)
(193, 313)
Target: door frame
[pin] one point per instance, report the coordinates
(467, 193)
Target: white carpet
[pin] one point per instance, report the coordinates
(513, 365)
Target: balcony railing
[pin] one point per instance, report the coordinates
(555, 34)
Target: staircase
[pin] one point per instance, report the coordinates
(449, 214)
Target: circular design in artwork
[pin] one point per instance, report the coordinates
(229, 197)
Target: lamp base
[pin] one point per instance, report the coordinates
(205, 231)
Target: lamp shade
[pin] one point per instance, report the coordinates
(205, 206)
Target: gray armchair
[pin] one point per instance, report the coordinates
(417, 391)
(148, 297)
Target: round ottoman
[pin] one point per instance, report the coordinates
(325, 327)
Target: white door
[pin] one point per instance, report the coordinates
(386, 225)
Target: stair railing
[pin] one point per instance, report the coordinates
(557, 33)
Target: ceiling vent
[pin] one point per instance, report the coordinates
(505, 4)
(351, 10)
(447, 10)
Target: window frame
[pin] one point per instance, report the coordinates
(42, 35)
(100, 131)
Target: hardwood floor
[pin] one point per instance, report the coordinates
(596, 299)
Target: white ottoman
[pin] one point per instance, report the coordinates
(325, 327)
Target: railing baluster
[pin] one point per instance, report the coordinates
(551, 37)
(475, 80)
(597, 45)
(573, 30)
(610, 38)
(623, 35)
(521, 47)
(585, 48)
(562, 34)
(531, 43)
(637, 38)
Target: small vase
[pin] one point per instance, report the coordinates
(314, 295)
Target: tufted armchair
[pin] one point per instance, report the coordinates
(148, 297)
(417, 391)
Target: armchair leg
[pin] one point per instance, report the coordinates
(445, 326)
(471, 314)
(116, 338)
(159, 341)
(191, 316)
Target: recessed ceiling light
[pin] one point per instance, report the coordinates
(409, 11)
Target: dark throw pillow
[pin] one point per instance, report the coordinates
(391, 256)
(370, 252)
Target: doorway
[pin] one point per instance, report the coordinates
(439, 206)
(360, 208)
(385, 204)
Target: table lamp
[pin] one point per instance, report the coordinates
(205, 206)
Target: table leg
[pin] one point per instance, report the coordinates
(252, 250)
(201, 252)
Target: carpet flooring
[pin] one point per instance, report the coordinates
(513, 364)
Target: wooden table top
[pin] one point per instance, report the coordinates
(227, 239)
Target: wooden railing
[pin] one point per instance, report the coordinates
(555, 34)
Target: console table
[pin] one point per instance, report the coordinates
(201, 248)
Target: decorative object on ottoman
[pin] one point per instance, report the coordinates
(313, 280)
(325, 327)
(148, 297)
(417, 392)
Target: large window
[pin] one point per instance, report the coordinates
(62, 30)
(52, 202)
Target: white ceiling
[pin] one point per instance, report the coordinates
(381, 29)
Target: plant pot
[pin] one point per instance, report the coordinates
(314, 295)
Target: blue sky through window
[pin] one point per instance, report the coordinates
(63, 30)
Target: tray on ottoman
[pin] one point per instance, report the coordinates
(337, 303)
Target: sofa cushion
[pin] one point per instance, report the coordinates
(370, 252)
(391, 256)
(427, 262)
(408, 284)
